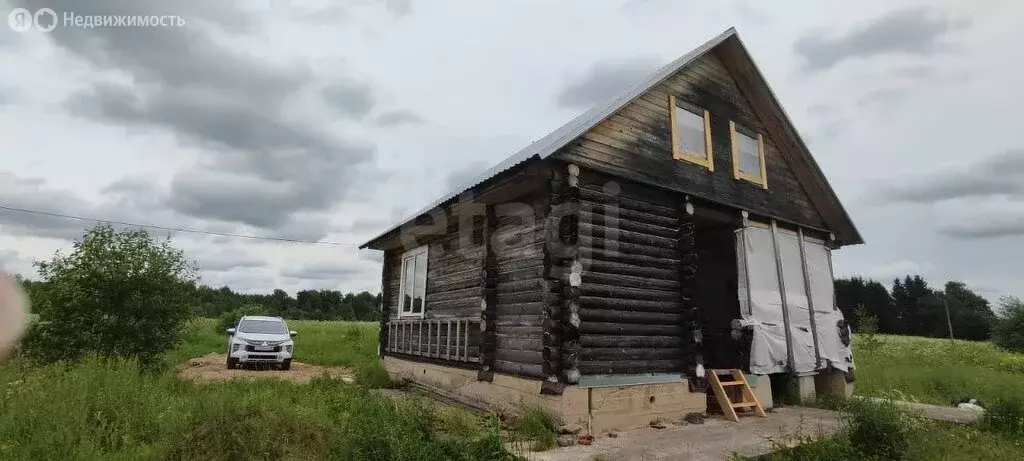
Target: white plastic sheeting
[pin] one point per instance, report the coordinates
(797, 303)
(762, 311)
(826, 315)
(761, 302)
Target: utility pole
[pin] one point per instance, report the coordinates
(945, 304)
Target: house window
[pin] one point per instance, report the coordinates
(748, 156)
(413, 288)
(691, 134)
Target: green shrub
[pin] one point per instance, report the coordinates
(372, 375)
(826, 449)
(230, 319)
(537, 427)
(117, 294)
(880, 430)
(1008, 331)
(1006, 416)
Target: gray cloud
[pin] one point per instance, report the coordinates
(398, 117)
(228, 260)
(349, 98)
(399, 8)
(883, 97)
(459, 177)
(32, 194)
(991, 227)
(999, 175)
(604, 80)
(917, 31)
(263, 165)
(336, 271)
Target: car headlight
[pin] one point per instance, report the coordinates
(235, 347)
(288, 348)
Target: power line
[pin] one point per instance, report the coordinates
(174, 229)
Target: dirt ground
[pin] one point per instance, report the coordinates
(213, 367)
(716, 439)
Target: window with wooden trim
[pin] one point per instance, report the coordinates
(691, 134)
(748, 155)
(412, 292)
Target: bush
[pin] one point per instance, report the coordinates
(537, 427)
(880, 430)
(117, 294)
(1008, 331)
(1006, 416)
(230, 319)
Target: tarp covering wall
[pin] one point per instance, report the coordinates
(762, 302)
(827, 316)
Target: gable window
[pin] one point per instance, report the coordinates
(413, 288)
(748, 156)
(691, 134)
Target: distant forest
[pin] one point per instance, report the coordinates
(306, 305)
(912, 307)
(909, 307)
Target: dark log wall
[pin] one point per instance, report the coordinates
(454, 263)
(635, 315)
(636, 143)
(518, 242)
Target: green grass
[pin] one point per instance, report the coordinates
(321, 343)
(883, 431)
(936, 371)
(104, 409)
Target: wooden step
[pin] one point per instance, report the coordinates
(748, 398)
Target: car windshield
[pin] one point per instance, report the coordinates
(272, 327)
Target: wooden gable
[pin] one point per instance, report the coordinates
(635, 143)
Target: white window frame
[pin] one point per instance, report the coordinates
(411, 256)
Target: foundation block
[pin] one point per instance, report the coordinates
(593, 409)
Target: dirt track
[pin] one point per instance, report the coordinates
(213, 367)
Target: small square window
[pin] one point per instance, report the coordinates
(748, 156)
(413, 286)
(691, 135)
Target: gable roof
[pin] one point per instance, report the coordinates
(840, 222)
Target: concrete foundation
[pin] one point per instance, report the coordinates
(833, 382)
(804, 388)
(594, 409)
(762, 386)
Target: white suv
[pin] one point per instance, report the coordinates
(264, 340)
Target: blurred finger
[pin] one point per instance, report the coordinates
(13, 314)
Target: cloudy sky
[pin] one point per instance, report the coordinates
(314, 121)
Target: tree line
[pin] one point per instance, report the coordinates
(912, 307)
(206, 301)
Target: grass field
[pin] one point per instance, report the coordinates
(925, 370)
(937, 371)
(351, 344)
(111, 410)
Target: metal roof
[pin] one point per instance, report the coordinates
(544, 147)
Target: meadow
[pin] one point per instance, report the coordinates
(936, 371)
(103, 409)
(113, 409)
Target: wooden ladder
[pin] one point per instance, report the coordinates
(749, 400)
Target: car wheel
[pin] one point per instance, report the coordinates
(232, 363)
(287, 364)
